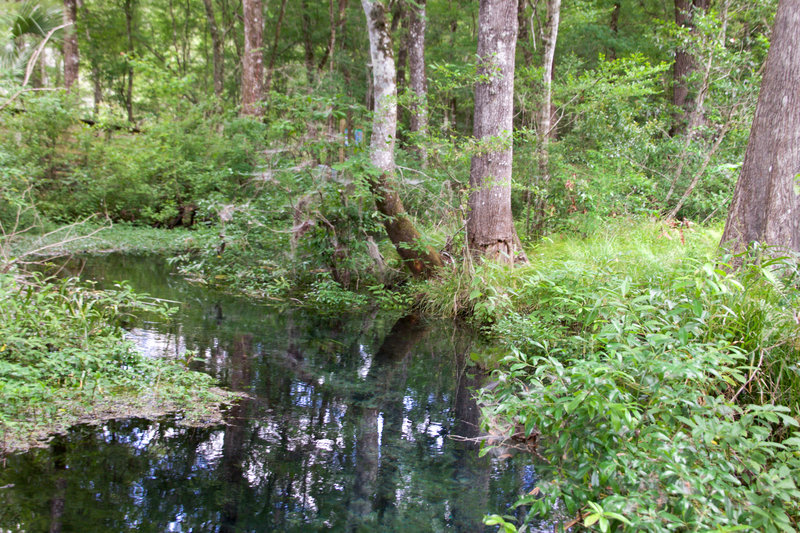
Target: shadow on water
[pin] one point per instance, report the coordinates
(346, 427)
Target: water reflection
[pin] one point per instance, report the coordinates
(346, 427)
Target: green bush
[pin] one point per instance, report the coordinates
(657, 403)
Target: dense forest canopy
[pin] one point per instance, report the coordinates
(633, 130)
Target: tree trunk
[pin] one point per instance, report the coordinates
(685, 64)
(129, 30)
(274, 51)
(420, 259)
(216, 47)
(766, 204)
(524, 32)
(253, 60)
(696, 120)
(490, 226)
(308, 43)
(399, 23)
(418, 82)
(72, 56)
(549, 38)
(336, 25)
(614, 26)
(96, 82)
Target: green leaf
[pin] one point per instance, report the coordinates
(591, 520)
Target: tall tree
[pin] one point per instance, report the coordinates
(685, 64)
(543, 131)
(418, 81)
(614, 27)
(524, 34)
(216, 47)
(490, 226)
(400, 32)
(274, 52)
(128, 7)
(71, 54)
(766, 203)
(308, 42)
(420, 259)
(94, 61)
(336, 22)
(253, 60)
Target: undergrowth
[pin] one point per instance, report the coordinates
(658, 386)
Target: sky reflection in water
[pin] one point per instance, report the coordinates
(347, 428)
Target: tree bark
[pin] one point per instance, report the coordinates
(216, 47)
(253, 59)
(418, 82)
(72, 56)
(685, 64)
(766, 203)
(490, 226)
(420, 259)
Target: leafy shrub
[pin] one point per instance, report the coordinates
(656, 404)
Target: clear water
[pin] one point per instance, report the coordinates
(348, 427)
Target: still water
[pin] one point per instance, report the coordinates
(348, 426)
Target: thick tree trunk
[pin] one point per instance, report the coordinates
(685, 64)
(766, 203)
(274, 51)
(549, 38)
(216, 47)
(253, 59)
(72, 56)
(420, 259)
(418, 82)
(490, 226)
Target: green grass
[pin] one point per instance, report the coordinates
(637, 249)
(97, 238)
(625, 249)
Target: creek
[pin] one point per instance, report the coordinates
(348, 425)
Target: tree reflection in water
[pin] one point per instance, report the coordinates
(341, 430)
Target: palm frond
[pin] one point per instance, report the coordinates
(34, 18)
(22, 25)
